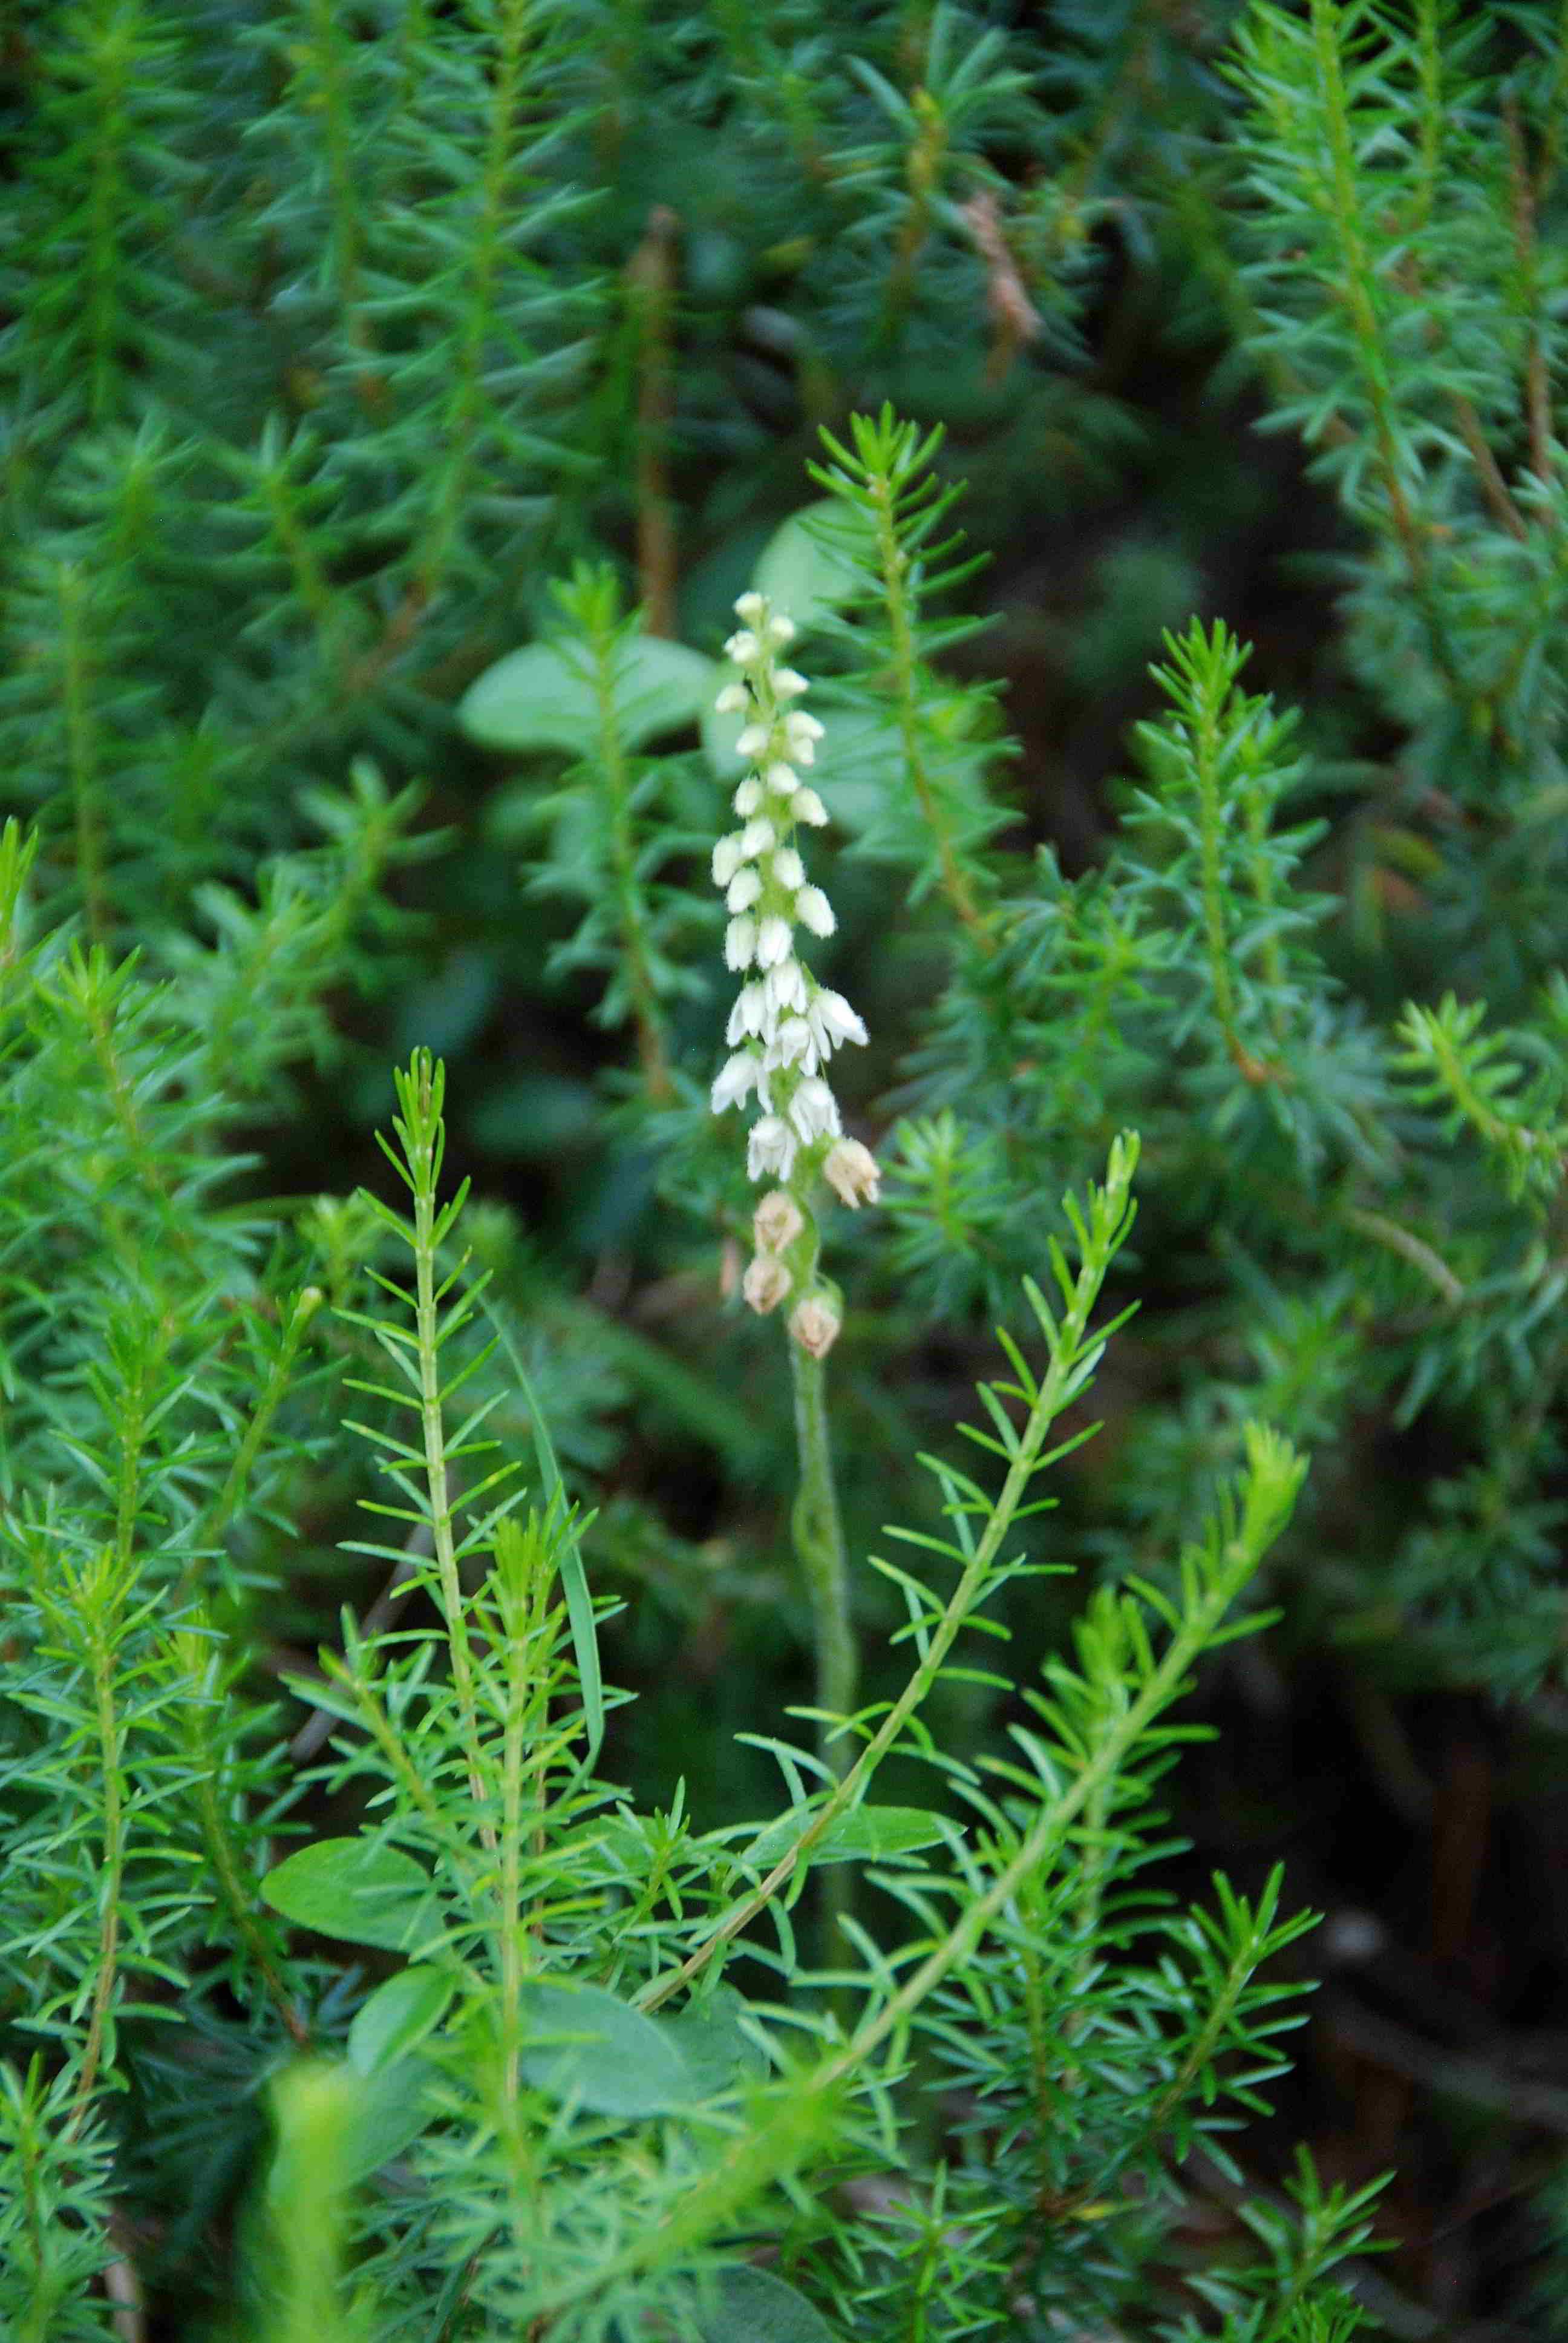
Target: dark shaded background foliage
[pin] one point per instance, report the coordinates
(321, 363)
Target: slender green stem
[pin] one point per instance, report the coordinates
(650, 279)
(291, 528)
(1410, 1248)
(226, 1500)
(1549, 149)
(617, 782)
(83, 746)
(236, 1886)
(1205, 751)
(127, 1104)
(443, 1825)
(511, 1951)
(1433, 116)
(1537, 389)
(820, 1545)
(102, 1603)
(1206, 760)
(424, 1162)
(894, 563)
(320, 43)
(1362, 293)
(521, 1597)
(488, 252)
(922, 175)
(108, 206)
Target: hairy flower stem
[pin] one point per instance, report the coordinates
(820, 1545)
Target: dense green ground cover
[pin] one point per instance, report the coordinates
(449, 1641)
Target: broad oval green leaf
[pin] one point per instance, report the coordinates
(743, 2305)
(355, 1888)
(584, 2044)
(397, 2018)
(545, 696)
(860, 760)
(335, 2125)
(720, 731)
(865, 1834)
(799, 575)
(715, 2043)
(399, 2100)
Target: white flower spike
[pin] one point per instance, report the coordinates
(784, 1026)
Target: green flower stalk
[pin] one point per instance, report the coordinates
(783, 1030)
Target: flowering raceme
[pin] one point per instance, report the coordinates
(784, 1026)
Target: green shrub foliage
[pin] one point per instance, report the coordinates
(434, 1905)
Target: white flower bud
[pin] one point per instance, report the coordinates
(771, 1147)
(743, 1072)
(772, 941)
(807, 806)
(788, 685)
(749, 607)
(813, 910)
(749, 796)
(801, 734)
(765, 1284)
(781, 630)
(733, 700)
(743, 891)
(792, 1044)
(747, 1014)
(740, 943)
(777, 1221)
(814, 1322)
(832, 1021)
(726, 861)
(785, 987)
(788, 868)
(742, 647)
(752, 742)
(759, 837)
(781, 778)
(853, 1171)
(813, 1109)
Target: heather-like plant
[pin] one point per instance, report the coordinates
(502, 1837)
